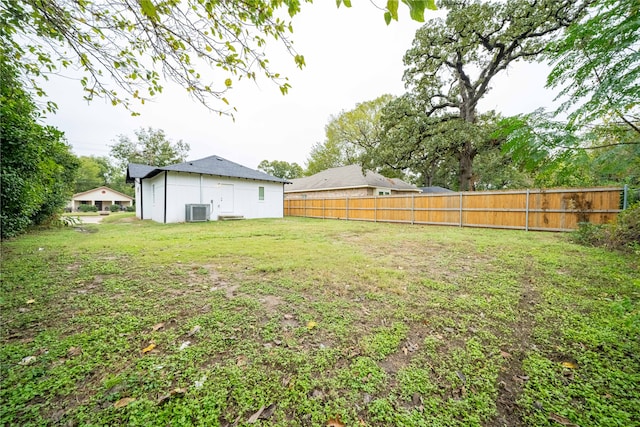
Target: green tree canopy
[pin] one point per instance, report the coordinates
(37, 170)
(125, 50)
(597, 66)
(348, 137)
(561, 155)
(453, 61)
(428, 147)
(92, 172)
(281, 169)
(96, 171)
(151, 147)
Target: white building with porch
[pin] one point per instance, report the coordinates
(101, 197)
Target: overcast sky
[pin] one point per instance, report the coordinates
(352, 56)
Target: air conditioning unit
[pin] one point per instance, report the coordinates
(197, 213)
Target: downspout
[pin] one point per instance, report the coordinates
(165, 197)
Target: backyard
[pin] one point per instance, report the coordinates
(305, 322)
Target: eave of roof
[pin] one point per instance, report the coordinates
(351, 188)
(344, 177)
(214, 166)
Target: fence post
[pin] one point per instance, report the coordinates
(625, 198)
(461, 209)
(347, 208)
(375, 208)
(323, 209)
(413, 209)
(526, 216)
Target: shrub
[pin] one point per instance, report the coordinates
(623, 235)
(115, 208)
(589, 234)
(130, 208)
(87, 208)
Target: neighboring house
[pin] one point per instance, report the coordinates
(101, 197)
(207, 189)
(435, 190)
(346, 181)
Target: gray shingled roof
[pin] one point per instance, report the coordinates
(135, 170)
(212, 165)
(435, 189)
(346, 177)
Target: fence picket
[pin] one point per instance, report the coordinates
(551, 210)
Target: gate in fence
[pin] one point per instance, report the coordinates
(543, 210)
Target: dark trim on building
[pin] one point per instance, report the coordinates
(141, 200)
(165, 197)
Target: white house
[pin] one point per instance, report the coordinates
(207, 189)
(101, 197)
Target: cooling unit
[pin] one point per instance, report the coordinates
(197, 213)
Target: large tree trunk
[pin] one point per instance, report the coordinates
(466, 167)
(468, 152)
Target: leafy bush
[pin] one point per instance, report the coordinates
(87, 208)
(114, 208)
(589, 234)
(130, 209)
(623, 235)
(37, 168)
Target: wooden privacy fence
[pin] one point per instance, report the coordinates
(544, 210)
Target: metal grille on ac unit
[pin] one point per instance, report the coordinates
(197, 212)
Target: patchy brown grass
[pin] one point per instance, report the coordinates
(376, 324)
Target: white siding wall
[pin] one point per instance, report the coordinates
(185, 188)
(154, 198)
(144, 204)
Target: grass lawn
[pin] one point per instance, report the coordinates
(303, 322)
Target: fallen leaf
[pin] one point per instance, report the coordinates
(253, 418)
(27, 360)
(241, 361)
(288, 316)
(561, 420)
(74, 351)
(405, 351)
(462, 377)
(148, 348)
(123, 402)
(176, 392)
(157, 326)
(311, 324)
(184, 345)
(505, 354)
(194, 330)
(335, 422)
(268, 412)
(569, 365)
(31, 301)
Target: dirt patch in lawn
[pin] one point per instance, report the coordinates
(511, 378)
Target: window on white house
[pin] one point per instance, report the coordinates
(260, 193)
